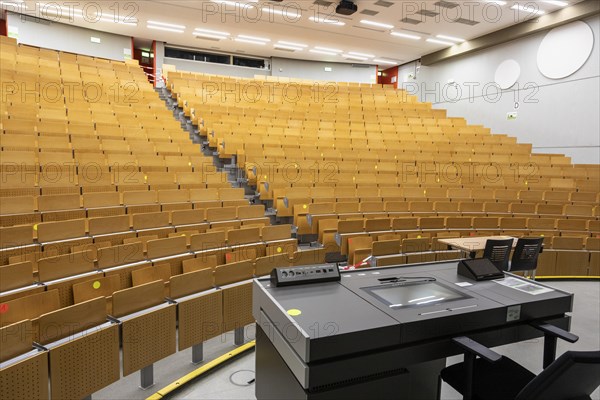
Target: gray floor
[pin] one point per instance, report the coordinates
(231, 380)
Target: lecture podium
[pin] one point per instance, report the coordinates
(386, 332)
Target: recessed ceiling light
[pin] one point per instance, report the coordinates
(556, 3)
(440, 42)
(233, 3)
(166, 24)
(255, 38)
(209, 36)
(210, 31)
(328, 49)
(284, 47)
(379, 24)
(291, 43)
(531, 9)
(405, 35)
(237, 39)
(323, 52)
(162, 28)
(327, 21)
(386, 62)
(351, 57)
(354, 53)
(109, 19)
(452, 38)
(286, 13)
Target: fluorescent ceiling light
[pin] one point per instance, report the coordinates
(174, 26)
(452, 38)
(354, 53)
(209, 36)
(233, 3)
(440, 42)
(530, 10)
(210, 31)
(379, 24)
(327, 21)
(258, 39)
(405, 35)
(291, 43)
(109, 19)
(328, 49)
(385, 62)
(284, 47)
(289, 14)
(556, 3)
(351, 57)
(323, 52)
(237, 39)
(499, 2)
(161, 28)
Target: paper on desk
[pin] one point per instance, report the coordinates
(463, 284)
(523, 286)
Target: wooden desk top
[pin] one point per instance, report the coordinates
(475, 243)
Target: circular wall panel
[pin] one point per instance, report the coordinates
(565, 49)
(507, 74)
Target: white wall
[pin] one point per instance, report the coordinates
(315, 70)
(159, 59)
(212, 68)
(73, 39)
(557, 116)
(283, 67)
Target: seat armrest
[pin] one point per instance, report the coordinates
(471, 346)
(555, 331)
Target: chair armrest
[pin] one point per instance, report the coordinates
(555, 331)
(471, 346)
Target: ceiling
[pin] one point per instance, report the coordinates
(293, 23)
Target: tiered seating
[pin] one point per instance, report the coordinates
(107, 208)
(357, 161)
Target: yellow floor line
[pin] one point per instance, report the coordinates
(202, 370)
(567, 277)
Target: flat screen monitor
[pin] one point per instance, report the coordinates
(414, 294)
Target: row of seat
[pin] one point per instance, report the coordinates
(25, 273)
(561, 256)
(307, 215)
(344, 230)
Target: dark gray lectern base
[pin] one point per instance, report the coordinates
(275, 381)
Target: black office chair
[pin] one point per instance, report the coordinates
(526, 254)
(573, 376)
(498, 252)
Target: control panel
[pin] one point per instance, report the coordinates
(304, 274)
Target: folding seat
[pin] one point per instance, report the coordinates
(356, 244)
(417, 250)
(160, 180)
(523, 208)
(513, 226)
(572, 226)
(531, 196)
(554, 210)
(174, 199)
(579, 210)
(60, 207)
(421, 207)
(584, 197)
